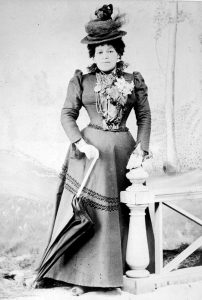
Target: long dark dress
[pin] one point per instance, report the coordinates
(99, 262)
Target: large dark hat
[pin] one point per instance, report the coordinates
(104, 28)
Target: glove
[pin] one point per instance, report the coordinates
(89, 150)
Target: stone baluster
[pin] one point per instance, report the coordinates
(136, 198)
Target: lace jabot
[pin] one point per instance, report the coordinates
(111, 96)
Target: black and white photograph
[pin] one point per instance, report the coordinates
(100, 150)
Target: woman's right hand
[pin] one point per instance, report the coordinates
(89, 150)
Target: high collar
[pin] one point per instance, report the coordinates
(113, 71)
(119, 69)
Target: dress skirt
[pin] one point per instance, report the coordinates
(100, 262)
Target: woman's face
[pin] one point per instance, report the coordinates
(105, 57)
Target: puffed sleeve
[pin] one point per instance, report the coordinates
(142, 111)
(72, 105)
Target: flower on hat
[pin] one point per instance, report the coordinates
(105, 12)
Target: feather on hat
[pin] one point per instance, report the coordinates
(104, 28)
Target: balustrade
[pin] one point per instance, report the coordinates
(138, 197)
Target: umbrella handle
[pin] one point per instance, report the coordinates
(86, 176)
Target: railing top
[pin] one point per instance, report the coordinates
(171, 194)
(161, 195)
(186, 185)
(162, 188)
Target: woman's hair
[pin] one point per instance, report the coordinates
(118, 45)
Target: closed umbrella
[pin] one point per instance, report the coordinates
(76, 232)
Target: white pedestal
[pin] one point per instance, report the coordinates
(136, 198)
(137, 253)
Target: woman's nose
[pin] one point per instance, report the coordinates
(106, 55)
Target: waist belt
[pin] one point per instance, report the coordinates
(120, 129)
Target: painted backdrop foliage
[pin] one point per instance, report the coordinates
(40, 49)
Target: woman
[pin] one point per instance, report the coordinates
(108, 94)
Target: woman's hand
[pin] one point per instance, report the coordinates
(89, 150)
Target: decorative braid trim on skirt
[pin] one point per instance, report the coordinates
(92, 198)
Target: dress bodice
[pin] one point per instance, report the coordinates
(89, 100)
(81, 93)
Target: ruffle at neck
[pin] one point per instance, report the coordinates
(119, 69)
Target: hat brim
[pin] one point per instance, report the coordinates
(108, 37)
